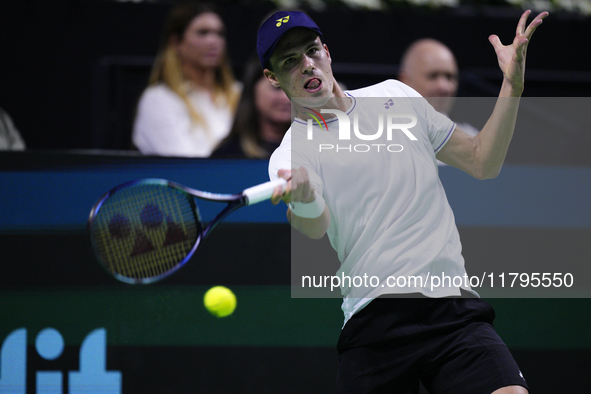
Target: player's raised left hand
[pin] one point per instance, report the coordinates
(512, 57)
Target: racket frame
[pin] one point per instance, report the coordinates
(234, 201)
(249, 196)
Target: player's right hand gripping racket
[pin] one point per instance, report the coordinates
(144, 230)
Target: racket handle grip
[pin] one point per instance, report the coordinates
(263, 192)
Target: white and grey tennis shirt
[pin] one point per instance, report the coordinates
(390, 216)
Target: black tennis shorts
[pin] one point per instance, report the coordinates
(449, 344)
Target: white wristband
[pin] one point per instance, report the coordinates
(310, 210)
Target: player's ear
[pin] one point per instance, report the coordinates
(327, 53)
(271, 77)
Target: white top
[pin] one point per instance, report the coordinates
(163, 125)
(389, 213)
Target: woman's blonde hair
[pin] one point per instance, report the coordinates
(167, 67)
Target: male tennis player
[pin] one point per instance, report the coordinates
(386, 214)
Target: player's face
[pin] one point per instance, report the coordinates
(302, 66)
(203, 43)
(271, 102)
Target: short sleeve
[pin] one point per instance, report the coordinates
(286, 158)
(439, 127)
(281, 157)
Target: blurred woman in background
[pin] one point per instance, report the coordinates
(10, 138)
(188, 106)
(262, 118)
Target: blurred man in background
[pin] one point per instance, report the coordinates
(429, 67)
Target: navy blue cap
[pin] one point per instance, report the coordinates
(275, 27)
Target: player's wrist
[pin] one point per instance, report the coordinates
(309, 210)
(511, 88)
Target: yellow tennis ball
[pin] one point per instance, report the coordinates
(220, 301)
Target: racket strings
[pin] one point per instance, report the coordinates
(145, 230)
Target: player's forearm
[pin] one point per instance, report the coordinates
(313, 228)
(494, 139)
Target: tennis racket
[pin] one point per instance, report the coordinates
(144, 230)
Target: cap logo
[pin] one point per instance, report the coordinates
(282, 20)
(275, 26)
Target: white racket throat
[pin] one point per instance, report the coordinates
(263, 191)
